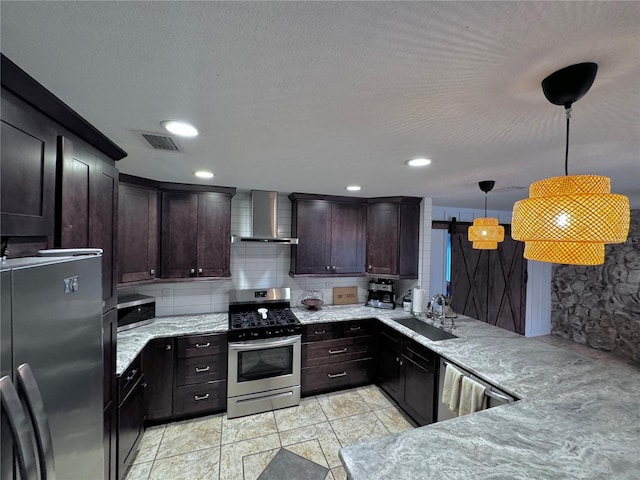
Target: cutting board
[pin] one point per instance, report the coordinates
(345, 295)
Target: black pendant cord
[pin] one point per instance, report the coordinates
(485, 205)
(566, 151)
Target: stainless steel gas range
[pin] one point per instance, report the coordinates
(264, 352)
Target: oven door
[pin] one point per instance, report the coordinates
(262, 365)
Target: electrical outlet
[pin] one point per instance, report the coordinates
(166, 292)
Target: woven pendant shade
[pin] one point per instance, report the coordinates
(569, 219)
(486, 233)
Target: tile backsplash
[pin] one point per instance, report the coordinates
(252, 266)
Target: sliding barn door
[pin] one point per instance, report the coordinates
(489, 285)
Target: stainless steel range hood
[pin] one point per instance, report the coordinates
(264, 220)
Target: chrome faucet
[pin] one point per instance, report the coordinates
(438, 299)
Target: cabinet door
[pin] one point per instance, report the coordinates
(419, 392)
(27, 170)
(137, 233)
(214, 235)
(109, 339)
(130, 428)
(348, 238)
(158, 366)
(88, 207)
(382, 239)
(109, 440)
(312, 225)
(390, 370)
(179, 234)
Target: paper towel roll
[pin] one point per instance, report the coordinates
(417, 299)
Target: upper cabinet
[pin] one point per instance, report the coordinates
(393, 235)
(87, 207)
(331, 232)
(28, 170)
(137, 232)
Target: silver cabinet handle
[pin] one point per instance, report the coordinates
(199, 270)
(152, 271)
(342, 350)
(132, 376)
(327, 268)
(204, 369)
(336, 375)
(203, 345)
(333, 267)
(401, 363)
(192, 270)
(370, 267)
(167, 347)
(354, 329)
(197, 398)
(319, 332)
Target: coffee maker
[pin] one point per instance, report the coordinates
(381, 294)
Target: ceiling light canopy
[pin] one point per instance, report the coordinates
(203, 174)
(485, 232)
(418, 162)
(182, 129)
(569, 219)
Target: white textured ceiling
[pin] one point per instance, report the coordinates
(312, 96)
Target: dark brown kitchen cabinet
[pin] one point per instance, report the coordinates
(393, 234)
(110, 441)
(137, 233)
(196, 233)
(27, 170)
(337, 355)
(88, 207)
(131, 416)
(331, 231)
(201, 374)
(406, 371)
(158, 366)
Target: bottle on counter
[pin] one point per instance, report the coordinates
(406, 301)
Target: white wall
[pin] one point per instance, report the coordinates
(252, 266)
(538, 307)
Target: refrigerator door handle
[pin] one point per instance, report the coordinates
(20, 428)
(29, 388)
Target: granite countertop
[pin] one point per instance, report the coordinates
(577, 418)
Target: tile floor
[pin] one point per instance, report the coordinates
(216, 448)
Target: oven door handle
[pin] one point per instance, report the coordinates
(264, 343)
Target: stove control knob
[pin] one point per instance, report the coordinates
(268, 332)
(278, 332)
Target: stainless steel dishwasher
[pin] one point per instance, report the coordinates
(495, 396)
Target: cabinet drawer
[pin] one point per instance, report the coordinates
(422, 356)
(390, 337)
(201, 369)
(201, 345)
(336, 376)
(320, 331)
(332, 351)
(357, 328)
(129, 378)
(202, 397)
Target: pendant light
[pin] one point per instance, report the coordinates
(569, 219)
(485, 232)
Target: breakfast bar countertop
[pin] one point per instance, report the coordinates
(577, 418)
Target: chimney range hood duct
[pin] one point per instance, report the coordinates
(264, 220)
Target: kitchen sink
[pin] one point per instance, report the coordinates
(424, 329)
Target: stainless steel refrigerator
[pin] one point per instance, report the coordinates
(51, 322)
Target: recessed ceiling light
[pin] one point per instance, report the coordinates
(418, 162)
(354, 188)
(180, 128)
(203, 174)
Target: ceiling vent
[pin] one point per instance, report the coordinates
(158, 141)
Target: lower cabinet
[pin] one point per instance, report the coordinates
(131, 416)
(406, 371)
(337, 355)
(109, 440)
(185, 376)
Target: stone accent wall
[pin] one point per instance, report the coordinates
(599, 306)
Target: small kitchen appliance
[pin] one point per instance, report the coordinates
(135, 310)
(264, 352)
(381, 294)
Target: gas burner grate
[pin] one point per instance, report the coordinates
(252, 319)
